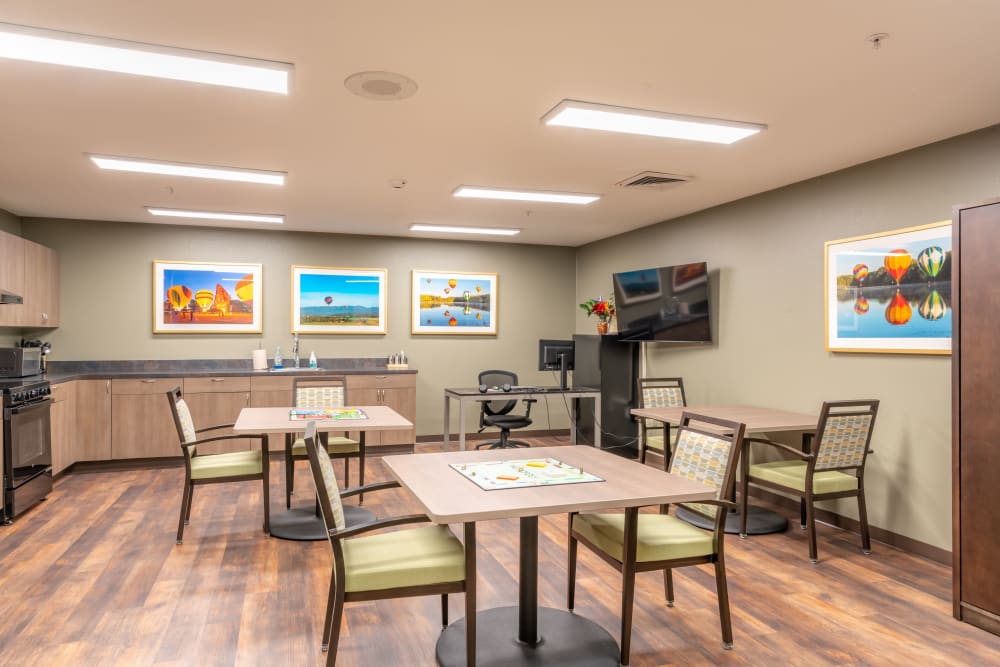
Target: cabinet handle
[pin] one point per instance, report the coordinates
(148, 381)
(218, 379)
(381, 377)
(107, 387)
(45, 317)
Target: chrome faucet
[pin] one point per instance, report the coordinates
(295, 349)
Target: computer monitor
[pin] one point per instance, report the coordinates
(556, 355)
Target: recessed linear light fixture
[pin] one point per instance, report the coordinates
(495, 231)
(524, 195)
(587, 115)
(166, 62)
(213, 215)
(191, 170)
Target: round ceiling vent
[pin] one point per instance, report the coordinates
(381, 85)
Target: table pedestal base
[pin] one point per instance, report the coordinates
(302, 524)
(566, 639)
(760, 521)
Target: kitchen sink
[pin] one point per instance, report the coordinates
(293, 369)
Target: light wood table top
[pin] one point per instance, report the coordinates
(449, 497)
(757, 419)
(276, 420)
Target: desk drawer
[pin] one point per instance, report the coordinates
(144, 386)
(211, 385)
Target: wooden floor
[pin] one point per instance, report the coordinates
(92, 577)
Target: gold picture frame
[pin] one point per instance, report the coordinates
(453, 302)
(339, 300)
(207, 297)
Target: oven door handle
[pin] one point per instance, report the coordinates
(27, 407)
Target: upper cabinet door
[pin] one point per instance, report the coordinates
(41, 286)
(11, 276)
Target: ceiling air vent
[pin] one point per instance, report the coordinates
(652, 180)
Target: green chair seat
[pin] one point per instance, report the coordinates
(335, 445)
(416, 557)
(792, 474)
(654, 441)
(661, 537)
(230, 464)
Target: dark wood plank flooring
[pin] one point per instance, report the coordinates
(92, 576)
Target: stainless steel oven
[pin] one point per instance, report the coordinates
(27, 445)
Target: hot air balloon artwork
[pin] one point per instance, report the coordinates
(453, 303)
(209, 298)
(338, 300)
(931, 261)
(876, 285)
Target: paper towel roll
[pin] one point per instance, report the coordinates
(259, 360)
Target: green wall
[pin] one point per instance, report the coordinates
(106, 300)
(766, 257)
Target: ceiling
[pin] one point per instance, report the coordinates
(487, 72)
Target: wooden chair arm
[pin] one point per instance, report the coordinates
(214, 428)
(785, 448)
(216, 438)
(377, 486)
(728, 504)
(379, 524)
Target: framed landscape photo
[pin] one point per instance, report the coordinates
(890, 292)
(453, 302)
(334, 300)
(204, 297)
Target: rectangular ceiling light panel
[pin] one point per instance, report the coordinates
(446, 229)
(112, 55)
(190, 170)
(570, 113)
(524, 195)
(212, 215)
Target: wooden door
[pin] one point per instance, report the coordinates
(41, 286)
(271, 392)
(11, 276)
(142, 425)
(364, 396)
(215, 401)
(977, 457)
(93, 420)
(403, 400)
(64, 430)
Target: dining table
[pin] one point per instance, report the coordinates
(303, 522)
(527, 634)
(758, 420)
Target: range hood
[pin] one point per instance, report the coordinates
(10, 297)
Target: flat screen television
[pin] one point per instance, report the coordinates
(667, 304)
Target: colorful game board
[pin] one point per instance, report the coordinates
(327, 413)
(491, 475)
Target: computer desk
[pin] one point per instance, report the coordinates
(472, 394)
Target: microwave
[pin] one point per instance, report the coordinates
(17, 362)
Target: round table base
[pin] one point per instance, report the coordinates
(302, 524)
(567, 639)
(760, 521)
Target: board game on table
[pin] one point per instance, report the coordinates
(492, 475)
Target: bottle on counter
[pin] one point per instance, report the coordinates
(312, 360)
(277, 357)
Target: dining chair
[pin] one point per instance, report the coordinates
(321, 394)
(834, 469)
(428, 560)
(655, 435)
(200, 469)
(634, 542)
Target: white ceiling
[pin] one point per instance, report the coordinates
(487, 72)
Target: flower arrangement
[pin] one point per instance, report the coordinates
(604, 310)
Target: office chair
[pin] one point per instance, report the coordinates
(497, 413)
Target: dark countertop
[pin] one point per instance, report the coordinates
(66, 371)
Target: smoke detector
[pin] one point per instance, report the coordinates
(653, 180)
(381, 85)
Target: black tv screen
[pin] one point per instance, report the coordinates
(665, 304)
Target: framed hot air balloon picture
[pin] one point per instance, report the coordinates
(453, 302)
(890, 292)
(197, 297)
(338, 300)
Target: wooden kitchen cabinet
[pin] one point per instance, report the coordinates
(41, 286)
(93, 420)
(11, 276)
(142, 425)
(64, 431)
(271, 392)
(214, 401)
(395, 390)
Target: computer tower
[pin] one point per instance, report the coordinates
(611, 365)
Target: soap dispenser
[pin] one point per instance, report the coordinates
(277, 357)
(312, 360)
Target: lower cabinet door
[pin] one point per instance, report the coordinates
(142, 425)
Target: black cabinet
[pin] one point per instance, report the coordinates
(611, 365)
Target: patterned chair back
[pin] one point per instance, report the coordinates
(327, 488)
(844, 433)
(182, 420)
(707, 456)
(319, 396)
(661, 393)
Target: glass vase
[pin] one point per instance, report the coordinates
(602, 328)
